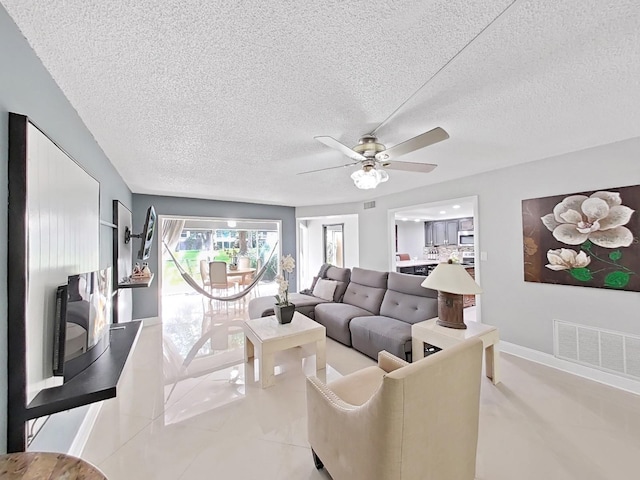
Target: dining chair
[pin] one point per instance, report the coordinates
(248, 279)
(204, 274)
(244, 262)
(219, 280)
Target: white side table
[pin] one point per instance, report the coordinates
(444, 337)
(264, 336)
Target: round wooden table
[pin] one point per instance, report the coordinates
(240, 272)
(46, 466)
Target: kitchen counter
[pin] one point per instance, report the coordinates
(415, 263)
(422, 267)
(416, 267)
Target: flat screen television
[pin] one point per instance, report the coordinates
(147, 234)
(82, 319)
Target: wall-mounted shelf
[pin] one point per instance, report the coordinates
(97, 382)
(137, 282)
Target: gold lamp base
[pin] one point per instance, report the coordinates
(450, 310)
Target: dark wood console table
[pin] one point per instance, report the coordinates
(97, 382)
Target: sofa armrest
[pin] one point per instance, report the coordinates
(389, 362)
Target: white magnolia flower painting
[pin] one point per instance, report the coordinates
(585, 239)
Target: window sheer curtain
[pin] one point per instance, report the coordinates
(171, 230)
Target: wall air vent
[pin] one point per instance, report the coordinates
(371, 204)
(606, 350)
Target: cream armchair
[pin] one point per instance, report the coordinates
(400, 421)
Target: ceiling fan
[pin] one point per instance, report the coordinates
(372, 156)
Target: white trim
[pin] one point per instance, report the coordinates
(594, 374)
(391, 221)
(86, 427)
(159, 251)
(149, 321)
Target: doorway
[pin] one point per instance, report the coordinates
(333, 236)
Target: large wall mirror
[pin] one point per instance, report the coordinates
(334, 244)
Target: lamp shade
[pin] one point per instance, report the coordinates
(451, 278)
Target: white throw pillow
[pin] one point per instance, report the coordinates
(324, 289)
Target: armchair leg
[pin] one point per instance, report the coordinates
(316, 460)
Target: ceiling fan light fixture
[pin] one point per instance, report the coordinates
(367, 178)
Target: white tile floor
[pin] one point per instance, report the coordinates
(216, 422)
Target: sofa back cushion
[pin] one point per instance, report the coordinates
(366, 289)
(342, 276)
(407, 300)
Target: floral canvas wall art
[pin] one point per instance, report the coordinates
(587, 239)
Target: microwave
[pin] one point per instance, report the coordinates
(465, 237)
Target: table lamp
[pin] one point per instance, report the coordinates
(452, 281)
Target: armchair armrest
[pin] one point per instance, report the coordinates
(389, 362)
(324, 394)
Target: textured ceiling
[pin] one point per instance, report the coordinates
(222, 100)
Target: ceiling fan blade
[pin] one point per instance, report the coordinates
(329, 168)
(424, 140)
(411, 166)
(333, 143)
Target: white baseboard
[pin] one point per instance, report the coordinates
(596, 375)
(81, 438)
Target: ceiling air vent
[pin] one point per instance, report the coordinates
(371, 204)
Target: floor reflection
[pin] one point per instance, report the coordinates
(203, 355)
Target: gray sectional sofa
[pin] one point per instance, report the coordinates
(371, 311)
(305, 304)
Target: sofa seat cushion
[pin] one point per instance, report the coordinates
(371, 334)
(263, 306)
(358, 387)
(336, 317)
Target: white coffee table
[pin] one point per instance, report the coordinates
(445, 337)
(264, 336)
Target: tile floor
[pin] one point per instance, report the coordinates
(211, 420)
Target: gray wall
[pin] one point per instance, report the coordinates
(145, 300)
(27, 88)
(523, 311)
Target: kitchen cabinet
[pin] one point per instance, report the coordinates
(439, 233)
(442, 232)
(452, 232)
(428, 234)
(466, 224)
